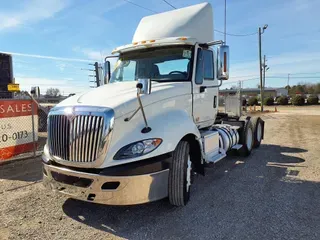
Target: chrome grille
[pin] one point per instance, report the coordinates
(76, 139)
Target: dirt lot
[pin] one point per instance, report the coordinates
(273, 194)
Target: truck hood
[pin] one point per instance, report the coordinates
(122, 96)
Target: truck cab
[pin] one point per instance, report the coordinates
(143, 135)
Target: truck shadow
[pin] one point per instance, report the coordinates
(235, 194)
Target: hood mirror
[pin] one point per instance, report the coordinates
(144, 86)
(107, 72)
(223, 62)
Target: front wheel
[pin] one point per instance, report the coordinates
(180, 175)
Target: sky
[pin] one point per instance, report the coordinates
(54, 41)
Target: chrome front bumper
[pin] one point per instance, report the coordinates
(131, 189)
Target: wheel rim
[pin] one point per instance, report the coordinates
(189, 170)
(259, 132)
(249, 139)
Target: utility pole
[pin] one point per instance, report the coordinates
(265, 68)
(225, 21)
(97, 73)
(264, 72)
(261, 31)
(288, 80)
(260, 68)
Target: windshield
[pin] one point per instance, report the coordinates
(158, 64)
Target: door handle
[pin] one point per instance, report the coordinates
(202, 89)
(215, 102)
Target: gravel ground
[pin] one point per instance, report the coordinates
(273, 194)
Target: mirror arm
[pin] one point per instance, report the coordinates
(146, 129)
(134, 113)
(111, 56)
(202, 88)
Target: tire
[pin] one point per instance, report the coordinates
(246, 139)
(180, 175)
(257, 124)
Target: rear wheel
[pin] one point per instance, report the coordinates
(180, 175)
(246, 139)
(258, 131)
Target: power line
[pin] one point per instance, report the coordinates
(244, 80)
(236, 35)
(169, 4)
(277, 76)
(293, 77)
(251, 79)
(246, 76)
(46, 57)
(137, 5)
(305, 73)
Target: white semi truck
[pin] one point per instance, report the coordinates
(143, 135)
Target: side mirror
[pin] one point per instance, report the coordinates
(223, 62)
(144, 86)
(107, 72)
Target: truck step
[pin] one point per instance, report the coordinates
(216, 158)
(237, 146)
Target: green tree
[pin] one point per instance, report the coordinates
(313, 100)
(283, 100)
(298, 100)
(53, 92)
(317, 88)
(268, 101)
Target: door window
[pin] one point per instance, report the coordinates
(208, 65)
(205, 69)
(199, 70)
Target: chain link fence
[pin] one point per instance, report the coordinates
(23, 126)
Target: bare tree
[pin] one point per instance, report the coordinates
(53, 92)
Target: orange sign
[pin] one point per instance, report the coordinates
(16, 129)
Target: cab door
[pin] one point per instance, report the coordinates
(205, 88)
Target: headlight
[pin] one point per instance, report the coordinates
(138, 149)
